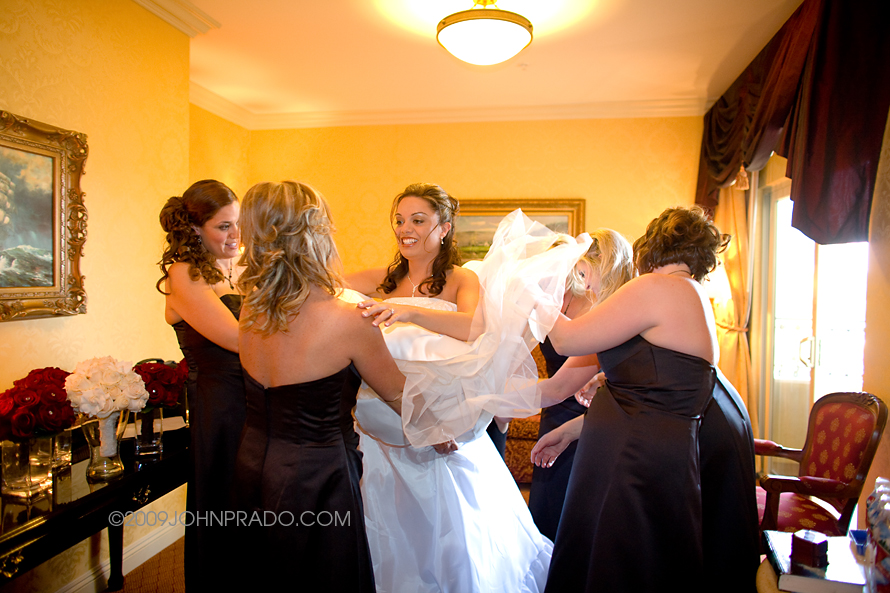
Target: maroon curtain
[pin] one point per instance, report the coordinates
(745, 124)
(819, 94)
(836, 129)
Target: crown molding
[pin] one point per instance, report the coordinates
(225, 109)
(182, 14)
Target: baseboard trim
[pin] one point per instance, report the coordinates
(95, 580)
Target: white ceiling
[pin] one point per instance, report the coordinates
(298, 63)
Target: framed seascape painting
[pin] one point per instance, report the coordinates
(42, 219)
(479, 220)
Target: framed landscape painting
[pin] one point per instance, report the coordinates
(479, 220)
(42, 219)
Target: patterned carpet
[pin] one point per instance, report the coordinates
(161, 573)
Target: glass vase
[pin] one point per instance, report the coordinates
(26, 466)
(149, 432)
(103, 435)
(61, 449)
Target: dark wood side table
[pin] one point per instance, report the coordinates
(32, 532)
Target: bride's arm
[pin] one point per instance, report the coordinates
(462, 324)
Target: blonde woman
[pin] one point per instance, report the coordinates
(606, 266)
(304, 352)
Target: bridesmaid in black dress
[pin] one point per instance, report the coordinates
(305, 353)
(202, 305)
(662, 490)
(609, 260)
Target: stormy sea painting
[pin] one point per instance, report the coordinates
(26, 219)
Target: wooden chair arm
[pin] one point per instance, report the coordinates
(771, 449)
(810, 486)
(807, 485)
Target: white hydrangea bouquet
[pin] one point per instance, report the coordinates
(104, 387)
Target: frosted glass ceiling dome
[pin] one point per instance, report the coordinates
(484, 36)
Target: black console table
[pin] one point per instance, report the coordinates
(32, 532)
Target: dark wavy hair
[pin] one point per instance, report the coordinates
(447, 209)
(682, 235)
(179, 217)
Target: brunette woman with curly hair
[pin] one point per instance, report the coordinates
(455, 522)
(202, 304)
(427, 264)
(661, 494)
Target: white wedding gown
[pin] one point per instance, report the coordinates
(457, 523)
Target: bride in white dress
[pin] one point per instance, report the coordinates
(457, 522)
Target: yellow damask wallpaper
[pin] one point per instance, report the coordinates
(628, 170)
(218, 149)
(114, 71)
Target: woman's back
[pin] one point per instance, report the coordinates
(304, 355)
(319, 342)
(667, 310)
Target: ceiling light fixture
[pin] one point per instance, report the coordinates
(486, 36)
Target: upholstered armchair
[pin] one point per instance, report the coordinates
(842, 437)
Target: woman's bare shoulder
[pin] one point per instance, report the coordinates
(347, 319)
(366, 281)
(657, 293)
(462, 276)
(180, 272)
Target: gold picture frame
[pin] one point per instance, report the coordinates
(478, 220)
(42, 219)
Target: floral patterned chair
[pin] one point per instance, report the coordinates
(842, 437)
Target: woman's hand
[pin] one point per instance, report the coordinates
(585, 395)
(384, 313)
(552, 444)
(445, 448)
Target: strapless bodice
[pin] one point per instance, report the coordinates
(199, 351)
(310, 413)
(641, 373)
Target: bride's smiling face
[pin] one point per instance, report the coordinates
(417, 227)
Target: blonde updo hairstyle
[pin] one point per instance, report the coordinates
(179, 217)
(609, 255)
(682, 235)
(287, 232)
(574, 282)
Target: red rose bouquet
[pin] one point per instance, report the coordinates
(36, 406)
(164, 383)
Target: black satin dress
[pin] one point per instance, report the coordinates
(634, 518)
(299, 468)
(549, 484)
(216, 416)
